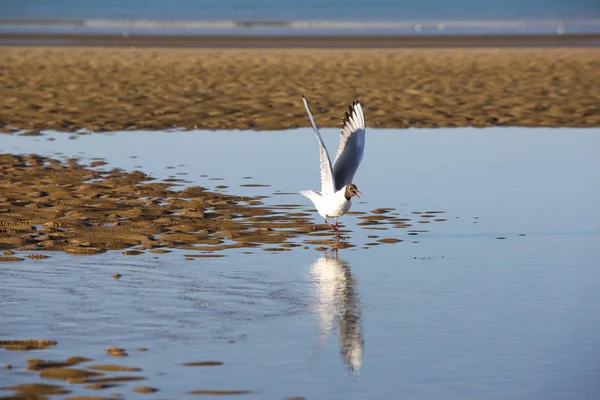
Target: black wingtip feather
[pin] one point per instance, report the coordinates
(348, 113)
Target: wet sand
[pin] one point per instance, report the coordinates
(50, 205)
(109, 89)
(60, 376)
(303, 40)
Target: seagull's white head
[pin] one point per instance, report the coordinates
(351, 190)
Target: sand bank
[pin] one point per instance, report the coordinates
(107, 89)
(52, 205)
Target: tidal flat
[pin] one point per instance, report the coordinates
(112, 89)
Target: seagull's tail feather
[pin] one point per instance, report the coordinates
(311, 194)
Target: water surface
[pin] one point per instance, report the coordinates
(454, 312)
(295, 17)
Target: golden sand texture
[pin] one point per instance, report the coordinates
(107, 89)
(49, 205)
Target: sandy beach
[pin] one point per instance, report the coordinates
(139, 281)
(109, 89)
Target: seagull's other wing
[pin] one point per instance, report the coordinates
(327, 184)
(352, 146)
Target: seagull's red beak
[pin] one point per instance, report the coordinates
(357, 193)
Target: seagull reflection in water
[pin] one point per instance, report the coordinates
(338, 307)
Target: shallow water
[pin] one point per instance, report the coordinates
(449, 313)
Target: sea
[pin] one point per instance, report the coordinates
(297, 17)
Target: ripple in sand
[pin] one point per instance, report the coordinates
(114, 379)
(67, 373)
(33, 390)
(100, 386)
(192, 256)
(145, 389)
(382, 210)
(389, 240)
(374, 217)
(132, 252)
(84, 250)
(116, 351)
(77, 360)
(219, 392)
(11, 259)
(275, 249)
(254, 185)
(159, 251)
(37, 256)
(23, 345)
(112, 367)
(36, 364)
(202, 364)
(341, 245)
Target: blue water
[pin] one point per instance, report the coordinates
(455, 315)
(292, 10)
(391, 15)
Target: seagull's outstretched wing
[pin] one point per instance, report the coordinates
(327, 184)
(352, 146)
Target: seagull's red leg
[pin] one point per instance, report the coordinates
(334, 228)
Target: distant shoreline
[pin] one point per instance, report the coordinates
(300, 41)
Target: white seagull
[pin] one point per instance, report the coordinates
(337, 188)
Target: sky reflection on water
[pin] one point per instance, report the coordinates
(458, 314)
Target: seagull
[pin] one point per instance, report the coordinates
(337, 188)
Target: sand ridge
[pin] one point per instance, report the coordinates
(108, 89)
(52, 205)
